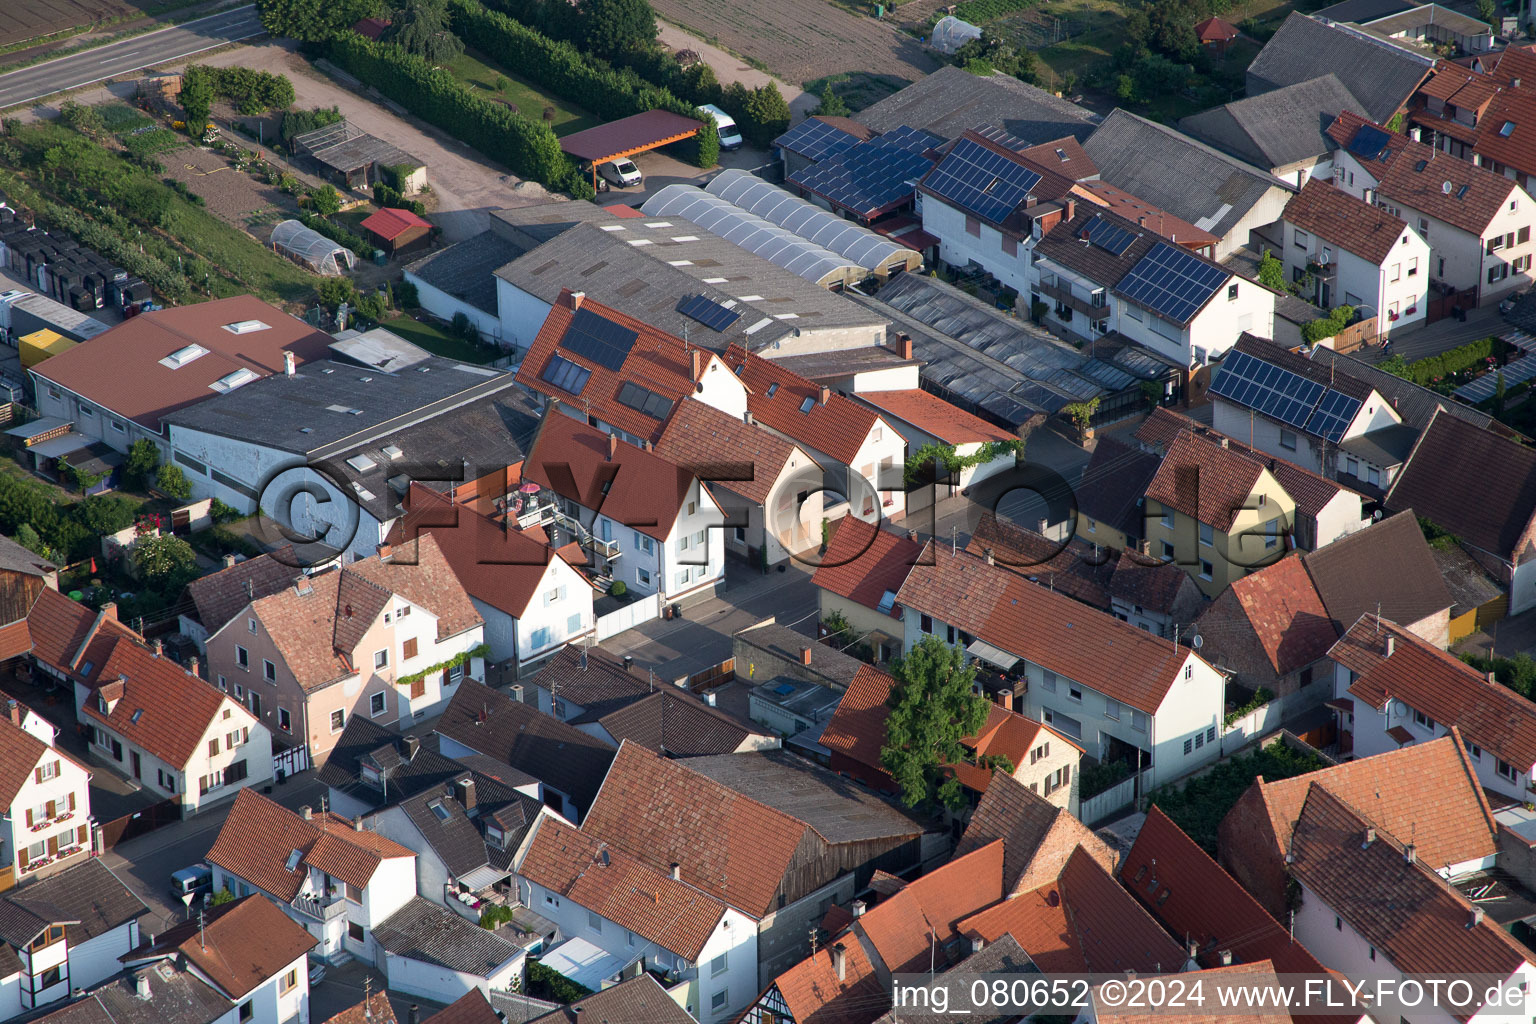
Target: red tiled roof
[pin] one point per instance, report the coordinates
(1339, 218)
(662, 812)
(1462, 87)
(1038, 921)
(1052, 630)
(259, 836)
(375, 1009)
(1066, 155)
(1139, 211)
(1286, 613)
(933, 415)
(838, 428)
(621, 888)
(237, 946)
(904, 928)
(1420, 924)
(1401, 181)
(20, 752)
(657, 361)
(470, 1008)
(1204, 480)
(162, 708)
(1517, 150)
(219, 595)
(1214, 30)
(857, 728)
(1077, 569)
(633, 487)
(814, 992)
(863, 562)
(1038, 836)
(390, 223)
(121, 369)
(1118, 1013)
(63, 631)
(725, 451)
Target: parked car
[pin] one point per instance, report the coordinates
(621, 172)
(316, 970)
(195, 881)
(725, 126)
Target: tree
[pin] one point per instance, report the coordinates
(767, 114)
(1487, 12)
(85, 120)
(611, 27)
(172, 482)
(142, 459)
(336, 290)
(105, 514)
(196, 98)
(221, 897)
(28, 538)
(1271, 272)
(166, 563)
(311, 21)
(423, 27)
(326, 200)
(1396, 365)
(932, 709)
(832, 104)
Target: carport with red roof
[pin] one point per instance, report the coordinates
(628, 136)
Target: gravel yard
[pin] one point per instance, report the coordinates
(802, 40)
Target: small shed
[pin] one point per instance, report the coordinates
(397, 231)
(1216, 34)
(950, 33)
(311, 249)
(40, 345)
(354, 159)
(628, 136)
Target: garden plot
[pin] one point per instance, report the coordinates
(233, 196)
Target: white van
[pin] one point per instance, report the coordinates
(725, 126)
(621, 172)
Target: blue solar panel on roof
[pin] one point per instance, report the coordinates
(1172, 282)
(708, 312)
(1333, 416)
(566, 375)
(981, 181)
(1267, 389)
(1368, 141)
(595, 337)
(1109, 237)
(873, 175)
(816, 140)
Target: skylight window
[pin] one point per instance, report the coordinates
(808, 405)
(231, 381)
(361, 463)
(773, 388)
(1507, 129)
(393, 452)
(182, 356)
(439, 810)
(293, 860)
(363, 492)
(888, 601)
(138, 713)
(247, 327)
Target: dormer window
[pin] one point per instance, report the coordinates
(495, 837)
(293, 860)
(371, 775)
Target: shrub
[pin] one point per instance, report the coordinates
(221, 513)
(166, 563)
(143, 458)
(618, 589)
(1326, 327)
(547, 983)
(405, 295)
(340, 235)
(172, 482)
(1199, 807)
(386, 195)
(297, 122)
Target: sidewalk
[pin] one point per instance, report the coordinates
(730, 68)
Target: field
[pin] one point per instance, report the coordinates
(233, 196)
(509, 90)
(29, 19)
(802, 40)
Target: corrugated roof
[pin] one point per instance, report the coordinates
(1278, 128)
(430, 934)
(1382, 75)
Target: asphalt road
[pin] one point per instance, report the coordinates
(128, 55)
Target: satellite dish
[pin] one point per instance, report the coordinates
(1197, 641)
(1377, 515)
(1446, 187)
(1323, 259)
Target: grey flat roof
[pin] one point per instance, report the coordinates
(345, 147)
(467, 269)
(434, 935)
(329, 403)
(816, 365)
(952, 100)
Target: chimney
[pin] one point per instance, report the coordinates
(696, 362)
(1192, 948)
(805, 655)
(906, 347)
(1005, 699)
(710, 698)
(1071, 208)
(229, 561)
(415, 1015)
(192, 664)
(464, 792)
(1410, 854)
(109, 611)
(629, 663)
(1514, 83)
(409, 745)
(1391, 644)
(289, 369)
(978, 943)
(1370, 836)
(826, 393)
(1414, 134)
(676, 870)
(911, 535)
(1226, 957)
(385, 550)
(857, 908)
(158, 646)
(306, 812)
(141, 985)
(1224, 443)
(986, 553)
(613, 446)
(575, 299)
(839, 963)
(1475, 918)
(357, 823)
(13, 711)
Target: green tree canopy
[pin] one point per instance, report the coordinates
(311, 21)
(611, 27)
(172, 482)
(196, 97)
(166, 563)
(1272, 272)
(932, 709)
(832, 105)
(422, 27)
(143, 457)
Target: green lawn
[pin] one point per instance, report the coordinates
(497, 84)
(438, 340)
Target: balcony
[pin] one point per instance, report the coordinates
(541, 509)
(1323, 271)
(1062, 292)
(321, 908)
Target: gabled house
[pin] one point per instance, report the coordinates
(751, 473)
(480, 720)
(1380, 74)
(1454, 832)
(530, 596)
(1109, 495)
(705, 949)
(46, 823)
(1270, 629)
(1099, 273)
(1280, 131)
(1385, 570)
(860, 452)
(390, 637)
(170, 730)
(23, 577)
(1118, 691)
(641, 998)
(63, 934)
(1038, 836)
(219, 596)
(1392, 690)
(328, 875)
(1477, 222)
(653, 524)
(777, 868)
(177, 994)
(1482, 113)
(1355, 254)
(858, 578)
(925, 419)
(432, 953)
(1492, 513)
(247, 952)
(951, 100)
(1370, 905)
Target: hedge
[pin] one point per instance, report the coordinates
(1463, 357)
(383, 195)
(609, 92)
(433, 94)
(339, 235)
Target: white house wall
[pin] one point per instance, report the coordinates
(543, 628)
(442, 985)
(521, 315)
(94, 961)
(958, 247)
(440, 304)
(1359, 282)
